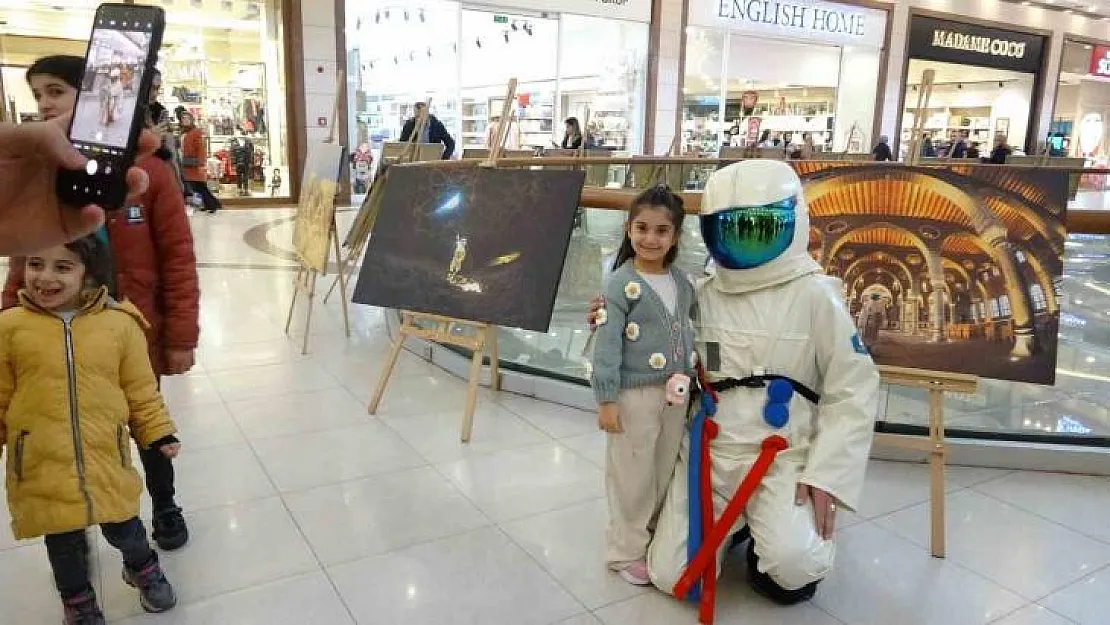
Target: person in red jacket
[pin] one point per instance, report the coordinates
(155, 267)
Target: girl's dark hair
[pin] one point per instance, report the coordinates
(65, 66)
(573, 122)
(658, 196)
(97, 259)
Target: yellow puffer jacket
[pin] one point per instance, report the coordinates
(71, 395)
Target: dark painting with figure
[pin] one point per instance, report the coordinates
(478, 244)
(951, 268)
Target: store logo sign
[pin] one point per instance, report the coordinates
(818, 19)
(982, 45)
(1100, 61)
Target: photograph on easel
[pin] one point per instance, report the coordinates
(477, 243)
(949, 268)
(316, 207)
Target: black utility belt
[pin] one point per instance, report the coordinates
(760, 381)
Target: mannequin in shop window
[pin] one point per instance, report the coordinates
(572, 135)
(434, 131)
(242, 158)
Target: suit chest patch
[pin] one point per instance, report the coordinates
(135, 215)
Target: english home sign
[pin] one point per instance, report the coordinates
(813, 20)
(970, 44)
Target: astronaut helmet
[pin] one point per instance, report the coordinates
(752, 213)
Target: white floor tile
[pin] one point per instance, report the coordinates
(314, 459)
(581, 619)
(590, 446)
(479, 578)
(361, 518)
(557, 421)
(881, 579)
(736, 605)
(189, 390)
(437, 435)
(302, 600)
(231, 548)
(1077, 501)
(513, 484)
(1086, 602)
(570, 544)
(246, 355)
(422, 395)
(1018, 550)
(892, 486)
(286, 415)
(219, 476)
(205, 425)
(27, 591)
(272, 380)
(1034, 615)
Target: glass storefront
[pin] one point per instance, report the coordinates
(983, 87)
(462, 57)
(777, 79)
(221, 61)
(1081, 118)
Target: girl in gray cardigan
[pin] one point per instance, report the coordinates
(644, 337)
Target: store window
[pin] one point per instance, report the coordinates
(566, 65)
(983, 87)
(775, 81)
(223, 62)
(1081, 118)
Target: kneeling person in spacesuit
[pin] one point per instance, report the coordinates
(766, 314)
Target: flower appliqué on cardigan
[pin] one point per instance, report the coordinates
(632, 290)
(657, 361)
(602, 317)
(632, 331)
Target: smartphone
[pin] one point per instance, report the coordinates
(111, 109)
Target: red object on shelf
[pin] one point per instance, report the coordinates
(1100, 61)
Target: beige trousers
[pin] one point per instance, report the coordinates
(638, 467)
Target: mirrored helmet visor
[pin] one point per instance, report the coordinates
(746, 237)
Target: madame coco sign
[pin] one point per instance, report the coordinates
(811, 20)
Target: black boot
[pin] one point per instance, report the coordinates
(155, 592)
(764, 585)
(169, 529)
(82, 609)
(740, 537)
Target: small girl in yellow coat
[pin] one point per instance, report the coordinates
(75, 386)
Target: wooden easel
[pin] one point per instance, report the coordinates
(305, 281)
(482, 341)
(924, 96)
(359, 235)
(936, 384)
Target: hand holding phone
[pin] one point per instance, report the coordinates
(110, 113)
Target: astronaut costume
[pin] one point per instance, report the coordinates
(769, 311)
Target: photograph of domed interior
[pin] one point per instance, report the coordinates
(945, 268)
(476, 244)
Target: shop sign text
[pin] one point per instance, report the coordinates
(795, 16)
(982, 45)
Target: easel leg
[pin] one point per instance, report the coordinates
(937, 460)
(391, 362)
(472, 389)
(311, 305)
(494, 359)
(293, 304)
(342, 280)
(334, 283)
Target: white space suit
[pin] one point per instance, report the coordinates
(777, 315)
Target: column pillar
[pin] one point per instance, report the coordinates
(940, 287)
(1020, 309)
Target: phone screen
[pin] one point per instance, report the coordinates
(109, 98)
(112, 102)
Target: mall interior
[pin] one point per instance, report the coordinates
(303, 509)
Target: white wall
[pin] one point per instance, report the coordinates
(320, 32)
(667, 87)
(855, 100)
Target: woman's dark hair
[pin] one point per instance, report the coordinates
(765, 136)
(65, 66)
(658, 196)
(573, 123)
(97, 259)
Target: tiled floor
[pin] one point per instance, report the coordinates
(306, 511)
